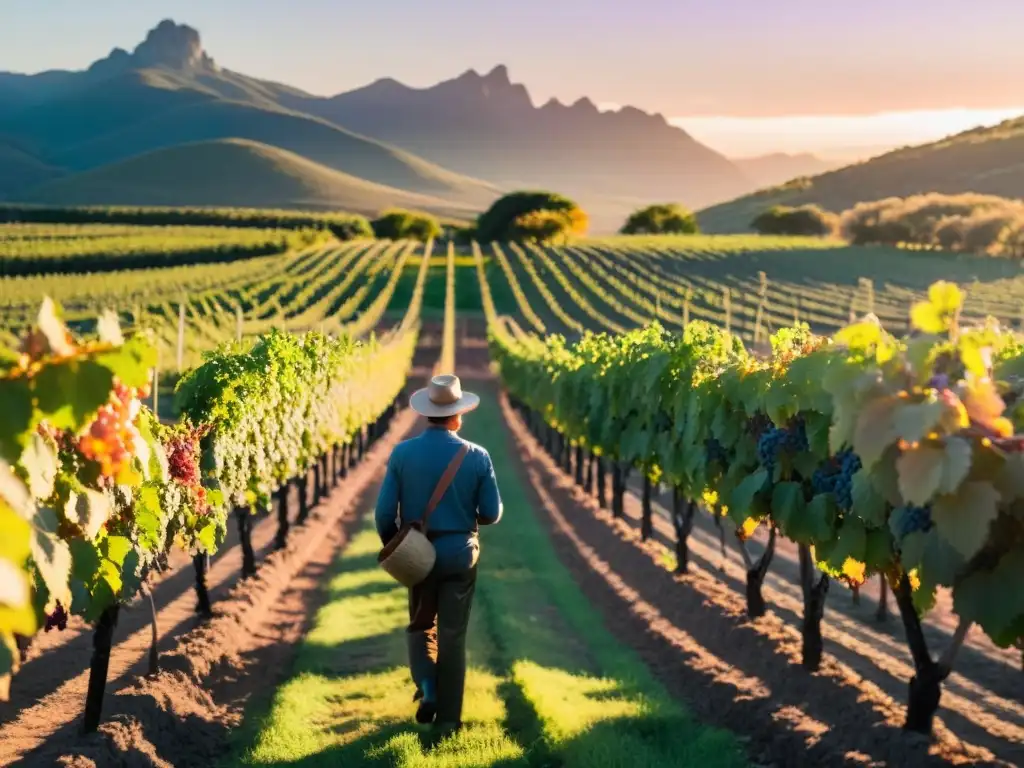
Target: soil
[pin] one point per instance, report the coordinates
(744, 674)
(182, 715)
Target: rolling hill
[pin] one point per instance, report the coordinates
(20, 170)
(233, 172)
(169, 92)
(987, 160)
(780, 167)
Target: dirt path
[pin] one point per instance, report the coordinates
(181, 717)
(739, 673)
(983, 670)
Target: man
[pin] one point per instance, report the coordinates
(439, 606)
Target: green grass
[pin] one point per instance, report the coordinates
(548, 684)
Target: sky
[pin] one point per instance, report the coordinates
(745, 76)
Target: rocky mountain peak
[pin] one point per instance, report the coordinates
(172, 45)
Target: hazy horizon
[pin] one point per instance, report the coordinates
(733, 87)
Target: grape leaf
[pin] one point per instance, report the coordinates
(916, 420)
(964, 518)
(70, 392)
(876, 429)
(53, 329)
(50, 555)
(932, 468)
(89, 510)
(868, 503)
(116, 548)
(40, 463)
(15, 417)
(742, 497)
(108, 328)
(984, 598)
(789, 510)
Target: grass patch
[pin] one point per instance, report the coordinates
(548, 685)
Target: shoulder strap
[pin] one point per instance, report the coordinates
(443, 483)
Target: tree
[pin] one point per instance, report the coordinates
(805, 220)
(399, 224)
(497, 223)
(661, 219)
(542, 226)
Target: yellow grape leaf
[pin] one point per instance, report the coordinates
(876, 429)
(854, 572)
(946, 297)
(975, 354)
(924, 316)
(860, 335)
(954, 414)
(914, 421)
(933, 468)
(964, 518)
(746, 530)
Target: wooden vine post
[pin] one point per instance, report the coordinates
(102, 641)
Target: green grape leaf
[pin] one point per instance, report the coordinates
(116, 548)
(789, 510)
(207, 537)
(912, 545)
(89, 510)
(868, 504)
(916, 420)
(821, 518)
(876, 429)
(147, 517)
(742, 497)
(85, 560)
(933, 468)
(70, 392)
(15, 417)
(131, 576)
(965, 518)
(40, 463)
(878, 551)
(51, 555)
(993, 599)
(131, 362)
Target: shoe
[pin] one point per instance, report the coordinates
(426, 712)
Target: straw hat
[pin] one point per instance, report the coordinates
(443, 397)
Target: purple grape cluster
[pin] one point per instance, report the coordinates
(58, 618)
(913, 519)
(775, 439)
(715, 451)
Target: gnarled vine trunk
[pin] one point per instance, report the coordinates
(755, 577)
(682, 520)
(579, 465)
(646, 510)
(243, 519)
(602, 483)
(201, 563)
(815, 592)
(102, 640)
(281, 539)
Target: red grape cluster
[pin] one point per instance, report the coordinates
(183, 462)
(57, 618)
(110, 440)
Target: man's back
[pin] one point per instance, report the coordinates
(414, 469)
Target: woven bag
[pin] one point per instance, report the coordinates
(409, 556)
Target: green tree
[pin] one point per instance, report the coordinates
(400, 224)
(661, 219)
(497, 223)
(804, 220)
(543, 226)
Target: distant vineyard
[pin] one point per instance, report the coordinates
(32, 249)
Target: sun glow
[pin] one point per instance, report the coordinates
(837, 136)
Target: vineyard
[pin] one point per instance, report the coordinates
(762, 496)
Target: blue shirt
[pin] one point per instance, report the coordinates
(414, 469)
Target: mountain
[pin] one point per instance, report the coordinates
(233, 172)
(987, 160)
(19, 170)
(169, 92)
(488, 127)
(779, 167)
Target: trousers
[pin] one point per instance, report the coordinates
(439, 609)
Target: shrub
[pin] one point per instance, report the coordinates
(498, 222)
(805, 220)
(399, 224)
(982, 224)
(542, 226)
(661, 219)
